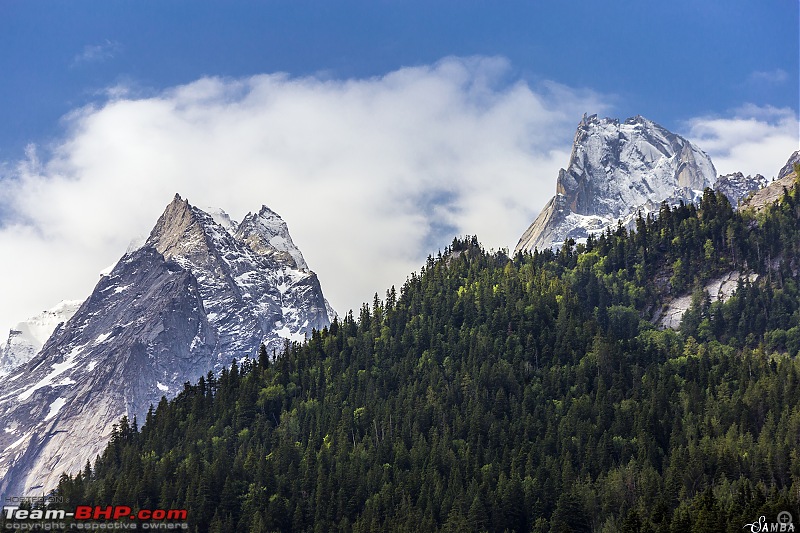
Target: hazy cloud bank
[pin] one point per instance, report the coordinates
(755, 140)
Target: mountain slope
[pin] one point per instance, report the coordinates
(197, 294)
(616, 170)
(771, 193)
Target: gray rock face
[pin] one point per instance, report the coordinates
(197, 294)
(617, 169)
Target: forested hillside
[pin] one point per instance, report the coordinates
(494, 393)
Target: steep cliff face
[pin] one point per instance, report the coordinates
(200, 292)
(617, 169)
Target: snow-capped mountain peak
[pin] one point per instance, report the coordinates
(265, 232)
(27, 337)
(200, 292)
(737, 187)
(615, 170)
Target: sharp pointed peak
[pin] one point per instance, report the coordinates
(179, 200)
(267, 233)
(264, 216)
(178, 218)
(615, 168)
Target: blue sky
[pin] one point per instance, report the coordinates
(666, 60)
(378, 130)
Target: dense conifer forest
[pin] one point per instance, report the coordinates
(497, 393)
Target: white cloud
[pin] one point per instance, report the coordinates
(371, 175)
(755, 140)
(96, 53)
(770, 77)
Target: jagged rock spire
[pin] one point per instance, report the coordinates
(266, 233)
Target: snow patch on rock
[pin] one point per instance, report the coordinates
(55, 407)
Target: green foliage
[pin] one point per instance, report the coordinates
(506, 394)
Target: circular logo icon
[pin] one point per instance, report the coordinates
(784, 517)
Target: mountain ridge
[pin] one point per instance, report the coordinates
(772, 192)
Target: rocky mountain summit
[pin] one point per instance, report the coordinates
(737, 187)
(200, 292)
(617, 169)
